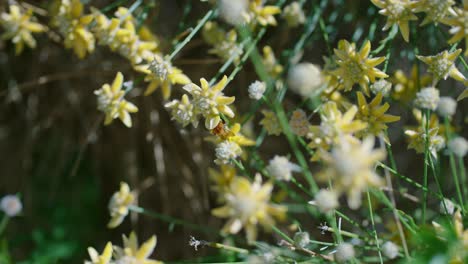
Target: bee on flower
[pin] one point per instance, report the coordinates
(398, 12)
(19, 26)
(355, 67)
(443, 65)
(351, 168)
(131, 252)
(68, 18)
(112, 103)
(119, 203)
(161, 73)
(104, 258)
(247, 205)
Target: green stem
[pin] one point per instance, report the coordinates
(426, 161)
(4, 224)
(373, 226)
(227, 247)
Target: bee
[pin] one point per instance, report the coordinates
(222, 131)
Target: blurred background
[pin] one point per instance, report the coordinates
(65, 164)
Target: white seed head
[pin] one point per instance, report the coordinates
(446, 206)
(427, 98)
(459, 146)
(227, 150)
(390, 250)
(281, 169)
(326, 200)
(160, 68)
(11, 205)
(344, 252)
(381, 86)
(233, 11)
(256, 90)
(301, 239)
(447, 106)
(305, 79)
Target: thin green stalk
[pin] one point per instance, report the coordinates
(172, 220)
(464, 181)
(373, 227)
(227, 247)
(4, 224)
(182, 44)
(426, 161)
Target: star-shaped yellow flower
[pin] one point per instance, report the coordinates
(443, 65)
(119, 203)
(100, 259)
(398, 12)
(131, 252)
(19, 27)
(459, 24)
(264, 15)
(355, 67)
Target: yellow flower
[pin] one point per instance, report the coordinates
(210, 101)
(222, 179)
(247, 205)
(406, 87)
(19, 27)
(458, 253)
(459, 24)
(228, 48)
(463, 95)
(374, 114)
(72, 25)
(132, 253)
(443, 65)
(100, 259)
(398, 12)
(264, 15)
(417, 140)
(355, 67)
(111, 101)
(436, 10)
(118, 205)
(183, 111)
(351, 168)
(271, 64)
(270, 123)
(161, 73)
(334, 125)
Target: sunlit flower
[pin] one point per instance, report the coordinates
(118, 205)
(161, 73)
(447, 106)
(19, 27)
(262, 14)
(68, 18)
(344, 252)
(281, 168)
(294, 15)
(305, 79)
(132, 253)
(381, 86)
(233, 12)
(390, 250)
(351, 167)
(443, 65)
(270, 123)
(226, 151)
(210, 101)
(299, 123)
(374, 114)
(417, 140)
(111, 101)
(325, 200)
(183, 111)
(256, 90)
(427, 98)
(105, 258)
(355, 67)
(436, 10)
(459, 24)
(459, 146)
(398, 12)
(11, 205)
(270, 62)
(247, 205)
